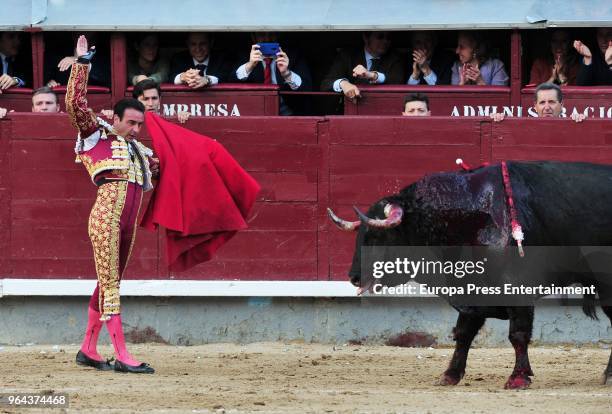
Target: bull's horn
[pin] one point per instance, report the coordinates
(393, 214)
(343, 224)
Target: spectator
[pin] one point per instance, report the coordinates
(548, 103)
(148, 93)
(596, 69)
(561, 64)
(45, 100)
(416, 104)
(287, 69)
(14, 72)
(430, 66)
(58, 61)
(147, 62)
(474, 66)
(375, 63)
(197, 67)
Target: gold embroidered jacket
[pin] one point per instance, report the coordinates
(98, 147)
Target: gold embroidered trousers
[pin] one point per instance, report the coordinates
(112, 230)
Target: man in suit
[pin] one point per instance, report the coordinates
(196, 67)
(429, 65)
(373, 64)
(287, 70)
(13, 73)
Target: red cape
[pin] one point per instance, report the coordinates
(203, 196)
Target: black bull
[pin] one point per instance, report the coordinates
(557, 204)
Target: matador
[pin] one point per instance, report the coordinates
(122, 169)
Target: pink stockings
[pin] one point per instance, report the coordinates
(115, 331)
(90, 342)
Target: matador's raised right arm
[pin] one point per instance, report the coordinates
(80, 115)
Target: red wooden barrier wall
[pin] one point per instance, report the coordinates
(303, 164)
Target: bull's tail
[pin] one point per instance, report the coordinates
(588, 306)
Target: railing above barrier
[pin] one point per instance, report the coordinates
(237, 99)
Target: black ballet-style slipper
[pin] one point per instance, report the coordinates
(82, 359)
(143, 368)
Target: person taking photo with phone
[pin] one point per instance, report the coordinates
(289, 73)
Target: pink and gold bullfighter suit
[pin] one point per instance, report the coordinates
(120, 167)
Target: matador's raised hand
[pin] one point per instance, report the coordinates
(82, 48)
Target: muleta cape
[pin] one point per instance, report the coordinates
(203, 196)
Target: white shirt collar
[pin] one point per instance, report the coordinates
(369, 59)
(368, 56)
(195, 62)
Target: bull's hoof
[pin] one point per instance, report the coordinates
(606, 378)
(518, 382)
(449, 379)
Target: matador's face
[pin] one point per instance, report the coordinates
(128, 126)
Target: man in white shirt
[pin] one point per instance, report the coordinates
(291, 74)
(196, 67)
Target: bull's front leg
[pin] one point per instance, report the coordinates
(521, 325)
(463, 333)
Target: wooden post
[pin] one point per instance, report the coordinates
(516, 66)
(118, 66)
(38, 58)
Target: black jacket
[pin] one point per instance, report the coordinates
(597, 73)
(20, 68)
(390, 64)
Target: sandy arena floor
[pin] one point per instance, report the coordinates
(304, 378)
